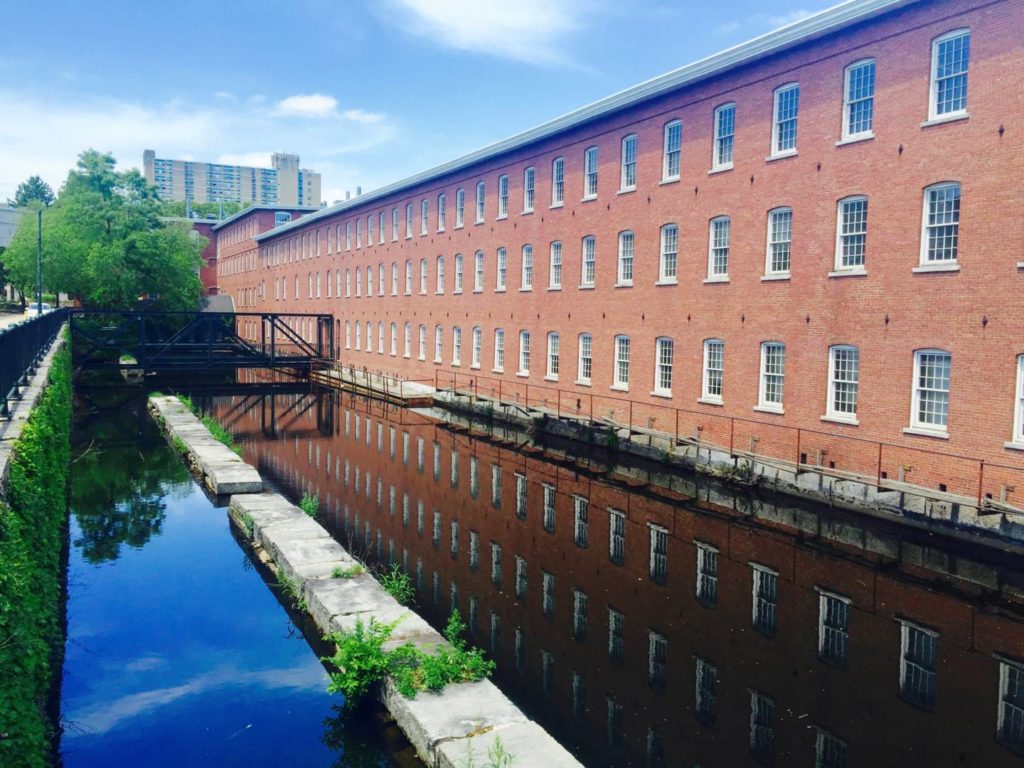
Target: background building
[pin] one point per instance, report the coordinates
(285, 183)
(9, 218)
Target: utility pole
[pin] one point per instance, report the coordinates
(39, 261)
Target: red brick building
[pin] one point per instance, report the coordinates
(808, 243)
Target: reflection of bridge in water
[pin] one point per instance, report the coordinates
(179, 341)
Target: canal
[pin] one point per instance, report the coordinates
(655, 620)
(179, 653)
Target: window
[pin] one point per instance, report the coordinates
(440, 275)
(380, 228)
(829, 751)
(408, 220)
(547, 593)
(773, 368)
(521, 497)
(725, 130)
(456, 345)
(422, 352)
(496, 563)
(408, 277)
(859, 100)
(621, 377)
(474, 550)
(423, 276)
(348, 236)
(454, 548)
(457, 288)
(663, 355)
(380, 338)
(930, 407)
(613, 726)
(658, 560)
(627, 180)
(780, 242)
(529, 182)
(369, 281)
(359, 233)
(524, 353)
(380, 279)
(394, 338)
(394, 224)
(579, 615)
(441, 200)
(762, 732)
(765, 599)
(714, 370)
(657, 650)
(521, 578)
(496, 486)
(668, 263)
(585, 364)
(526, 281)
(707, 575)
(460, 207)
(852, 233)
(672, 150)
(787, 108)
(950, 56)
(555, 266)
(478, 271)
(394, 278)
(438, 343)
(581, 508)
(477, 347)
(502, 196)
(557, 181)
(625, 264)
(843, 380)
(941, 224)
(501, 273)
(552, 372)
(424, 215)
(917, 664)
(499, 350)
(479, 202)
(549, 508)
(589, 263)
(616, 536)
(1010, 726)
(1018, 407)
(616, 636)
(718, 248)
(706, 684)
(590, 173)
(436, 531)
(833, 628)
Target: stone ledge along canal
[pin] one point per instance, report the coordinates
(654, 619)
(179, 652)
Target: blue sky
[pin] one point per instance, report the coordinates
(366, 92)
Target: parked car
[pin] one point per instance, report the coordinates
(35, 310)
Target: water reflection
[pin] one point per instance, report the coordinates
(651, 620)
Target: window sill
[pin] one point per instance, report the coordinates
(527, 289)
(588, 198)
(1020, 265)
(526, 212)
(459, 226)
(943, 119)
(554, 287)
(475, 367)
(711, 401)
(421, 358)
(777, 409)
(439, 293)
(720, 169)
(619, 388)
(665, 182)
(855, 139)
(927, 268)
(781, 155)
(456, 293)
(775, 278)
(626, 284)
(662, 393)
(553, 206)
(456, 364)
(502, 217)
(582, 383)
(440, 231)
(668, 281)
(627, 191)
(586, 286)
(497, 370)
(549, 377)
(523, 374)
(499, 290)
(714, 280)
(858, 272)
(1014, 445)
(478, 222)
(925, 432)
(478, 290)
(437, 361)
(851, 420)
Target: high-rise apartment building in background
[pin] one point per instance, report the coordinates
(284, 183)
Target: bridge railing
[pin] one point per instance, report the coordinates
(22, 347)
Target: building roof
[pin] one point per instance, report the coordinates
(828, 21)
(261, 207)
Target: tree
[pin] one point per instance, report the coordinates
(105, 244)
(34, 189)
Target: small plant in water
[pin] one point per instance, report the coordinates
(398, 585)
(179, 445)
(310, 505)
(291, 589)
(497, 755)
(347, 573)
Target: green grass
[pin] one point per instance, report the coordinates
(310, 505)
(347, 573)
(291, 590)
(216, 430)
(398, 585)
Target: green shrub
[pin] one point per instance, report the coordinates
(398, 585)
(347, 573)
(310, 505)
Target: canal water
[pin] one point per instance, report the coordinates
(660, 620)
(178, 652)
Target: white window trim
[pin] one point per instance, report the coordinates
(1017, 438)
(776, 153)
(762, 403)
(711, 276)
(620, 281)
(586, 172)
(659, 390)
(617, 383)
(586, 382)
(705, 396)
(830, 413)
(916, 427)
(933, 83)
(623, 186)
(768, 271)
(662, 278)
(947, 265)
(665, 176)
(861, 135)
(716, 164)
(838, 267)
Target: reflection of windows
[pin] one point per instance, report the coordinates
(616, 536)
(829, 751)
(917, 664)
(657, 650)
(579, 614)
(659, 554)
(833, 628)
(1011, 704)
(616, 638)
(581, 507)
(549, 507)
(547, 593)
(707, 575)
(762, 730)
(705, 692)
(764, 612)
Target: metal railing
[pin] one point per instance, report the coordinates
(893, 466)
(22, 347)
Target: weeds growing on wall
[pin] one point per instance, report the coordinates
(361, 662)
(32, 521)
(310, 505)
(397, 584)
(208, 421)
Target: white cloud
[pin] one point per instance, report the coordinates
(226, 95)
(307, 105)
(362, 116)
(527, 30)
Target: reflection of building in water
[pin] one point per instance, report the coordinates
(647, 628)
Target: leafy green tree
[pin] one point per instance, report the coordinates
(32, 190)
(105, 244)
